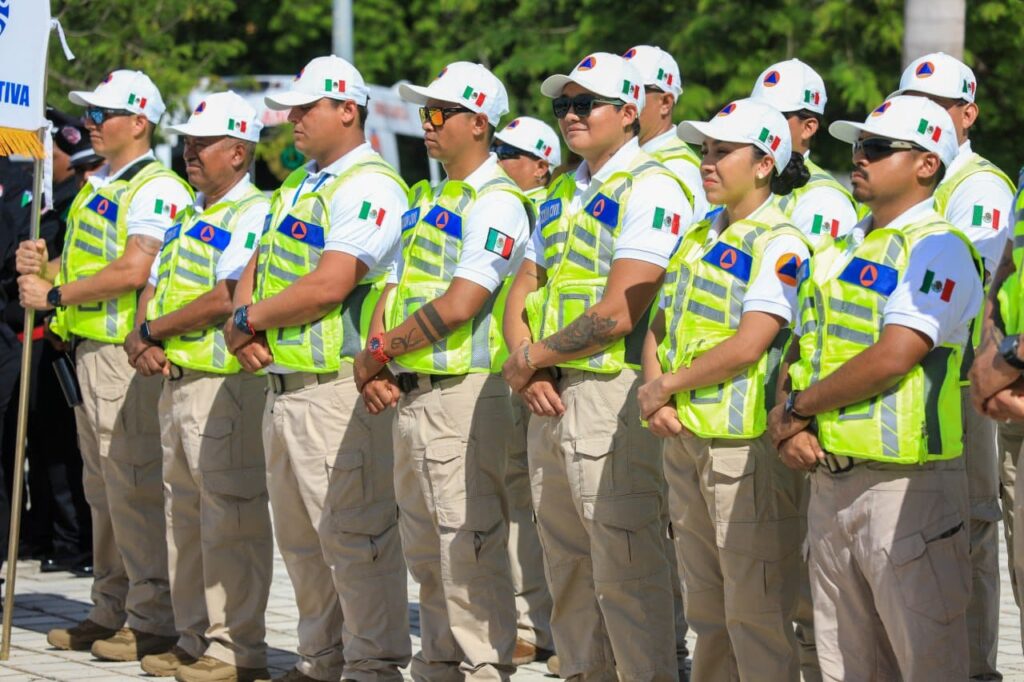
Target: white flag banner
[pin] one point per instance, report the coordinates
(24, 33)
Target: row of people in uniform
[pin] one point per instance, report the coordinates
(800, 359)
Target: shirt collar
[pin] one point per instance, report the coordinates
(101, 178)
(619, 161)
(655, 143)
(234, 194)
(911, 215)
(962, 156)
(484, 172)
(342, 164)
(718, 224)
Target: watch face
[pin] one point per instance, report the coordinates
(375, 343)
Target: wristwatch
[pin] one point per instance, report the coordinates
(147, 336)
(376, 347)
(242, 320)
(790, 407)
(53, 298)
(1008, 349)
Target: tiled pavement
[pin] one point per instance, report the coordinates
(52, 600)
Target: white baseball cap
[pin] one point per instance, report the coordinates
(909, 118)
(470, 85)
(331, 77)
(534, 136)
(748, 121)
(791, 86)
(124, 89)
(941, 75)
(602, 73)
(222, 113)
(656, 67)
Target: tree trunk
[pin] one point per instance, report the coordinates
(933, 26)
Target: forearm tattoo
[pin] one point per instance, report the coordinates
(421, 320)
(148, 245)
(584, 332)
(441, 329)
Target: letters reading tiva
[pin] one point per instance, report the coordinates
(14, 93)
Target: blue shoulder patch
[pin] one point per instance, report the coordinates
(448, 222)
(172, 233)
(103, 207)
(730, 259)
(210, 234)
(713, 213)
(870, 275)
(307, 233)
(803, 272)
(266, 223)
(410, 218)
(549, 210)
(604, 209)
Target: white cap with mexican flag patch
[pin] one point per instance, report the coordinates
(222, 113)
(604, 74)
(324, 77)
(464, 83)
(941, 75)
(791, 86)
(656, 68)
(748, 121)
(533, 136)
(124, 89)
(911, 119)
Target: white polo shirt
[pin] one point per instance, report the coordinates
(939, 257)
(823, 204)
(978, 197)
(639, 238)
(767, 291)
(687, 173)
(143, 217)
(499, 211)
(244, 239)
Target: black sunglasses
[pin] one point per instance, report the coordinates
(875, 148)
(438, 115)
(507, 151)
(98, 115)
(581, 104)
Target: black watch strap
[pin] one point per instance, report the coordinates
(53, 298)
(1008, 349)
(790, 407)
(147, 336)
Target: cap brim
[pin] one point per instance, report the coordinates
(88, 98)
(86, 157)
(846, 131)
(415, 94)
(695, 132)
(553, 85)
(288, 99)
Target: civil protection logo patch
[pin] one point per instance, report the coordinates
(5, 14)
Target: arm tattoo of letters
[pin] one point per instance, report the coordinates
(585, 331)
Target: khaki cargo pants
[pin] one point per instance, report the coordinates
(737, 518)
(119, 437)
(891, 571)
(219, 539)
(451, 439)
(597, 489)
(1011, 441)
(329, 474)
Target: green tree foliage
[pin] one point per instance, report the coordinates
(721, 46)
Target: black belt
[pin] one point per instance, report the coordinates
(838, 464)
(407, 382)
(286, 383)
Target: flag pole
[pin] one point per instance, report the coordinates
(20, 438)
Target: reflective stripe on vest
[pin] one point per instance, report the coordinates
(432, 234)
(578, 274)
(703, 304)
(916, 420)
(96, 236)
(187, 270)
(291, 246)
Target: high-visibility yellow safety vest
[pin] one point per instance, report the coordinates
(188, 269)
(916, 420)
(431, 248)
(578, 249)
(96, 236)
(703, 302)
(823, 226)
(679, 150)
(293, 241)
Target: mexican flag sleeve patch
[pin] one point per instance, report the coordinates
(499, 243)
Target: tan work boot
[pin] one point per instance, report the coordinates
(131, 645)
(554, 666)
(295, 675)
(210, 669)
(79, 637)
(167, 663)
(526, 652)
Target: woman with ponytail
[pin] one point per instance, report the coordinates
(710, 361)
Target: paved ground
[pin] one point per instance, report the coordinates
(52, 600)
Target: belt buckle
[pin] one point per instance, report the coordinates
(833, 465)
(276, 383)
(407, 382)
(175, 373)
